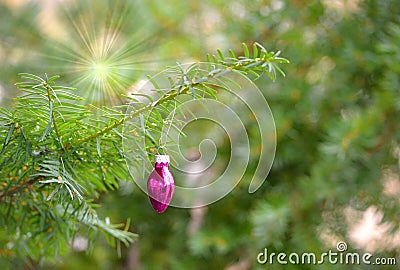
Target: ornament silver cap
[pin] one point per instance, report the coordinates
(162, 158)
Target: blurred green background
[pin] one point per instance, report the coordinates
(336, 172)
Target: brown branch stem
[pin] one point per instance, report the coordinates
(15, 189)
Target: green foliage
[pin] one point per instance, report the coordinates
(336, 116)
(58, 157)
(270, 221)
(337, 137)
(47, 173)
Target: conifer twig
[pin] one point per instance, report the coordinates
(49, 90)
(243, 64)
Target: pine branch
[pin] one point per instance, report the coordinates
(53, 118)
(135, 113)
(56, 152)
(265, 63)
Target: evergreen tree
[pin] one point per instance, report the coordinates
(336, 164)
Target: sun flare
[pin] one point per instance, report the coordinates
(101, 55)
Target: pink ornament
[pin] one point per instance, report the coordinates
(160, 186)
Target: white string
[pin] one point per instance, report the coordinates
(171, 121)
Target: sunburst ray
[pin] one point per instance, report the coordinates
(101, 55)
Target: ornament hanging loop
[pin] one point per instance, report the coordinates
(162, 159)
